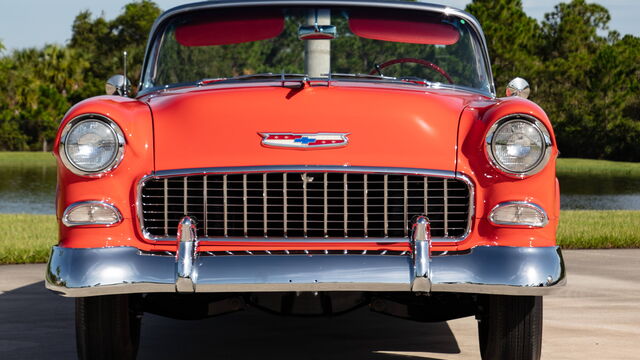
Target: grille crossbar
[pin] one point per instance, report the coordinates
(301, 204)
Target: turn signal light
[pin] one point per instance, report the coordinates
(91, 213)
(518, 213)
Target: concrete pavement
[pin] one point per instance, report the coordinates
(597, 316)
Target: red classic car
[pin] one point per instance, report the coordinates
(309, 157)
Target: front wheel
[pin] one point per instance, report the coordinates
(107, 327)
(510, 327)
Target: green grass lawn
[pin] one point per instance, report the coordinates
(28, 238)
(26, 158)
(588, 167)
(599, 229)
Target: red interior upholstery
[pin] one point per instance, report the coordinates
(407, 30)
(234, 28)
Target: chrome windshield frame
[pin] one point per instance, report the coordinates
(157, 30)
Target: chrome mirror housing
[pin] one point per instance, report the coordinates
(317, 32)
(118, 85)
(518, 87)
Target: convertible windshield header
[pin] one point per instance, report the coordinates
(430, 47)
(239, 26)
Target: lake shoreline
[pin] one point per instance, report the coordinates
(28, 180)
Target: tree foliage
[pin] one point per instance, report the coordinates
(37, 86)
(584, 75)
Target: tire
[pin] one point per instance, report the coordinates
(510, 327)
(107, 327)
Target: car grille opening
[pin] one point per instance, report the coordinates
(305, 205)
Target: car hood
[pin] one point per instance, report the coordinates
(220, 126)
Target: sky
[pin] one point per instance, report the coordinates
(34, 23)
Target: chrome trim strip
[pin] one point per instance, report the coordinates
(405, 205)
(345, 222)
(301, 240)
(205, 201)
(245, 224)
(486, 269)
(326, 205)
(472, 204)
(305, 179)
(185, 196)
(386, 205)
(166, 207)
(418, 6)
(366, 206)
(445, 187)
(285, 210)
(67, 211)
(224, 202)
(426, 196)
(264, 205)
(525, 203)
(115, 129)
(307, 169)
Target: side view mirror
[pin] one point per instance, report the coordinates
(518, 87)
(118, 85)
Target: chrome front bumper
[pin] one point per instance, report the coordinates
(485, 269)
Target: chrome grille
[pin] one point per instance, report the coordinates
(298, 204)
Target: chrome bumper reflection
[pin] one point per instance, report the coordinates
(485, 269)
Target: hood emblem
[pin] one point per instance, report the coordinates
(304, 141)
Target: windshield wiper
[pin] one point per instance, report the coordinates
(359, 76)
(404, 79)
(296, 81)
(416, 80)
(287, 80)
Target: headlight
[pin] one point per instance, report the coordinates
(91, 145)
(519, 145)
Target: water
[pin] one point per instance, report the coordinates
(31, 189)
(27, 189)
(599, 193)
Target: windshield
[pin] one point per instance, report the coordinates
(342, 43)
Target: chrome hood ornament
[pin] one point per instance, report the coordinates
(304, 141)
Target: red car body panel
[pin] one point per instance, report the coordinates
(406, 128)
(393, 126)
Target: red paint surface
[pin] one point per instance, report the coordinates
(389, 127)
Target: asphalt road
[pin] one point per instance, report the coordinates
(597, 316)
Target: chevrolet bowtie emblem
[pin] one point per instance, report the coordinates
(295, 140)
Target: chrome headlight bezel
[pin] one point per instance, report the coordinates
(115, 159)
(537, 166)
